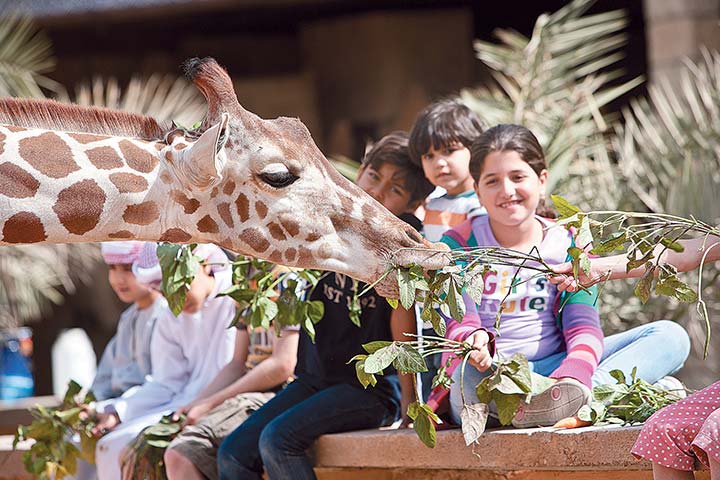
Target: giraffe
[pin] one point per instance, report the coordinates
(254, 186)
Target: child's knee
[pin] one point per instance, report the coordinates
(675, 338)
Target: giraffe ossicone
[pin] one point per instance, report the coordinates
(255, 186)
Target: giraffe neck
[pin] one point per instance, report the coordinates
(60, 187)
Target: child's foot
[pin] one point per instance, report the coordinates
(562, 400)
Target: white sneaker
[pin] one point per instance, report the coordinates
(671, 384)
(562, 400)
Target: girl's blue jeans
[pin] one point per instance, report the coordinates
(656, 349)
(279, 433)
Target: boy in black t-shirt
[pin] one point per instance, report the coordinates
(327, 397)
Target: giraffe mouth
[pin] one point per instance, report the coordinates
(432, 257)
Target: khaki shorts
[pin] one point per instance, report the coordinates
(199, 443)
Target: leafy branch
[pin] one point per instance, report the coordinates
(255, 285)
(645, 237)
(53, 456)
(627, 401)
(144, 456)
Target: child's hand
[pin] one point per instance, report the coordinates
(193, 412)
(480, 357)
(105, 423)
(566, 281)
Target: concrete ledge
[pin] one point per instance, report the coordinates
(11, 466)
(591, 453)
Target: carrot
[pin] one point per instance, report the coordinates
(571, 422)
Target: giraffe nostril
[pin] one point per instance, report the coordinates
(413, 235)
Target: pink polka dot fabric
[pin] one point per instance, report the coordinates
(674, 436)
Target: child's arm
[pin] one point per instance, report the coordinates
(614, 267)
(230, 382)
(403, 321)
(583, 337)
(470, 330)
(101, 383)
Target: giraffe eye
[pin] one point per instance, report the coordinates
(278, 179)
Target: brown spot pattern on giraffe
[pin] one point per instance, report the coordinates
(16, 182)
(175, 235)
(13, 128)
(180, 146)
(290, 254)
(79, 206)
(165, 177)
(128, 182)
(255, 239)
(312, 237)
(138, 158)
(214, 192)
(48, 154)
(122, 234)
(229, 187)
(104, 158)
(141, 213)
(243, 207)
(276, 232)
(86, 138)
(275, 257)
(225, 214)
(2, 145)
(305, 256)
(188, 204)
(292, 227)
(23, 227)
(261, 209)
(207, 225)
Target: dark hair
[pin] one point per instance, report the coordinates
(393, 149)
(442, 124)
(514, 138)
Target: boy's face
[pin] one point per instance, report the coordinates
(124, 283)
(200, 289)
(448, 167)
(386, 184)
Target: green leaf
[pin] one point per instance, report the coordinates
(393, 302)
(610, 393)
(409, 360)
(406, 287)
(382, 358)
(483, 392)
(179, 266)
(540, 383)
(473, 421)
(73, 389)
(585, 263)
(429, 314)
(564, 208)
(672, 286)
(508, 386)
(455, 302)
(364, 377)
(614, 242)
(373, 347)
(672, 245)
(507, 405)
(584, 236)
(424, 426)
(643, 286)
(618, 375)
(315, 310)
(475, 284)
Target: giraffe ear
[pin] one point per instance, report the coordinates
(203, 162)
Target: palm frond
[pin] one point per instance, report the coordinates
(25, 55)
(164, 97)
(556, 83)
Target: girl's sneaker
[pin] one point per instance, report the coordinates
(672, 384)
(562, 400)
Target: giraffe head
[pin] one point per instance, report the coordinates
(278, 196)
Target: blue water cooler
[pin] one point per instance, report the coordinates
(16, 380)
